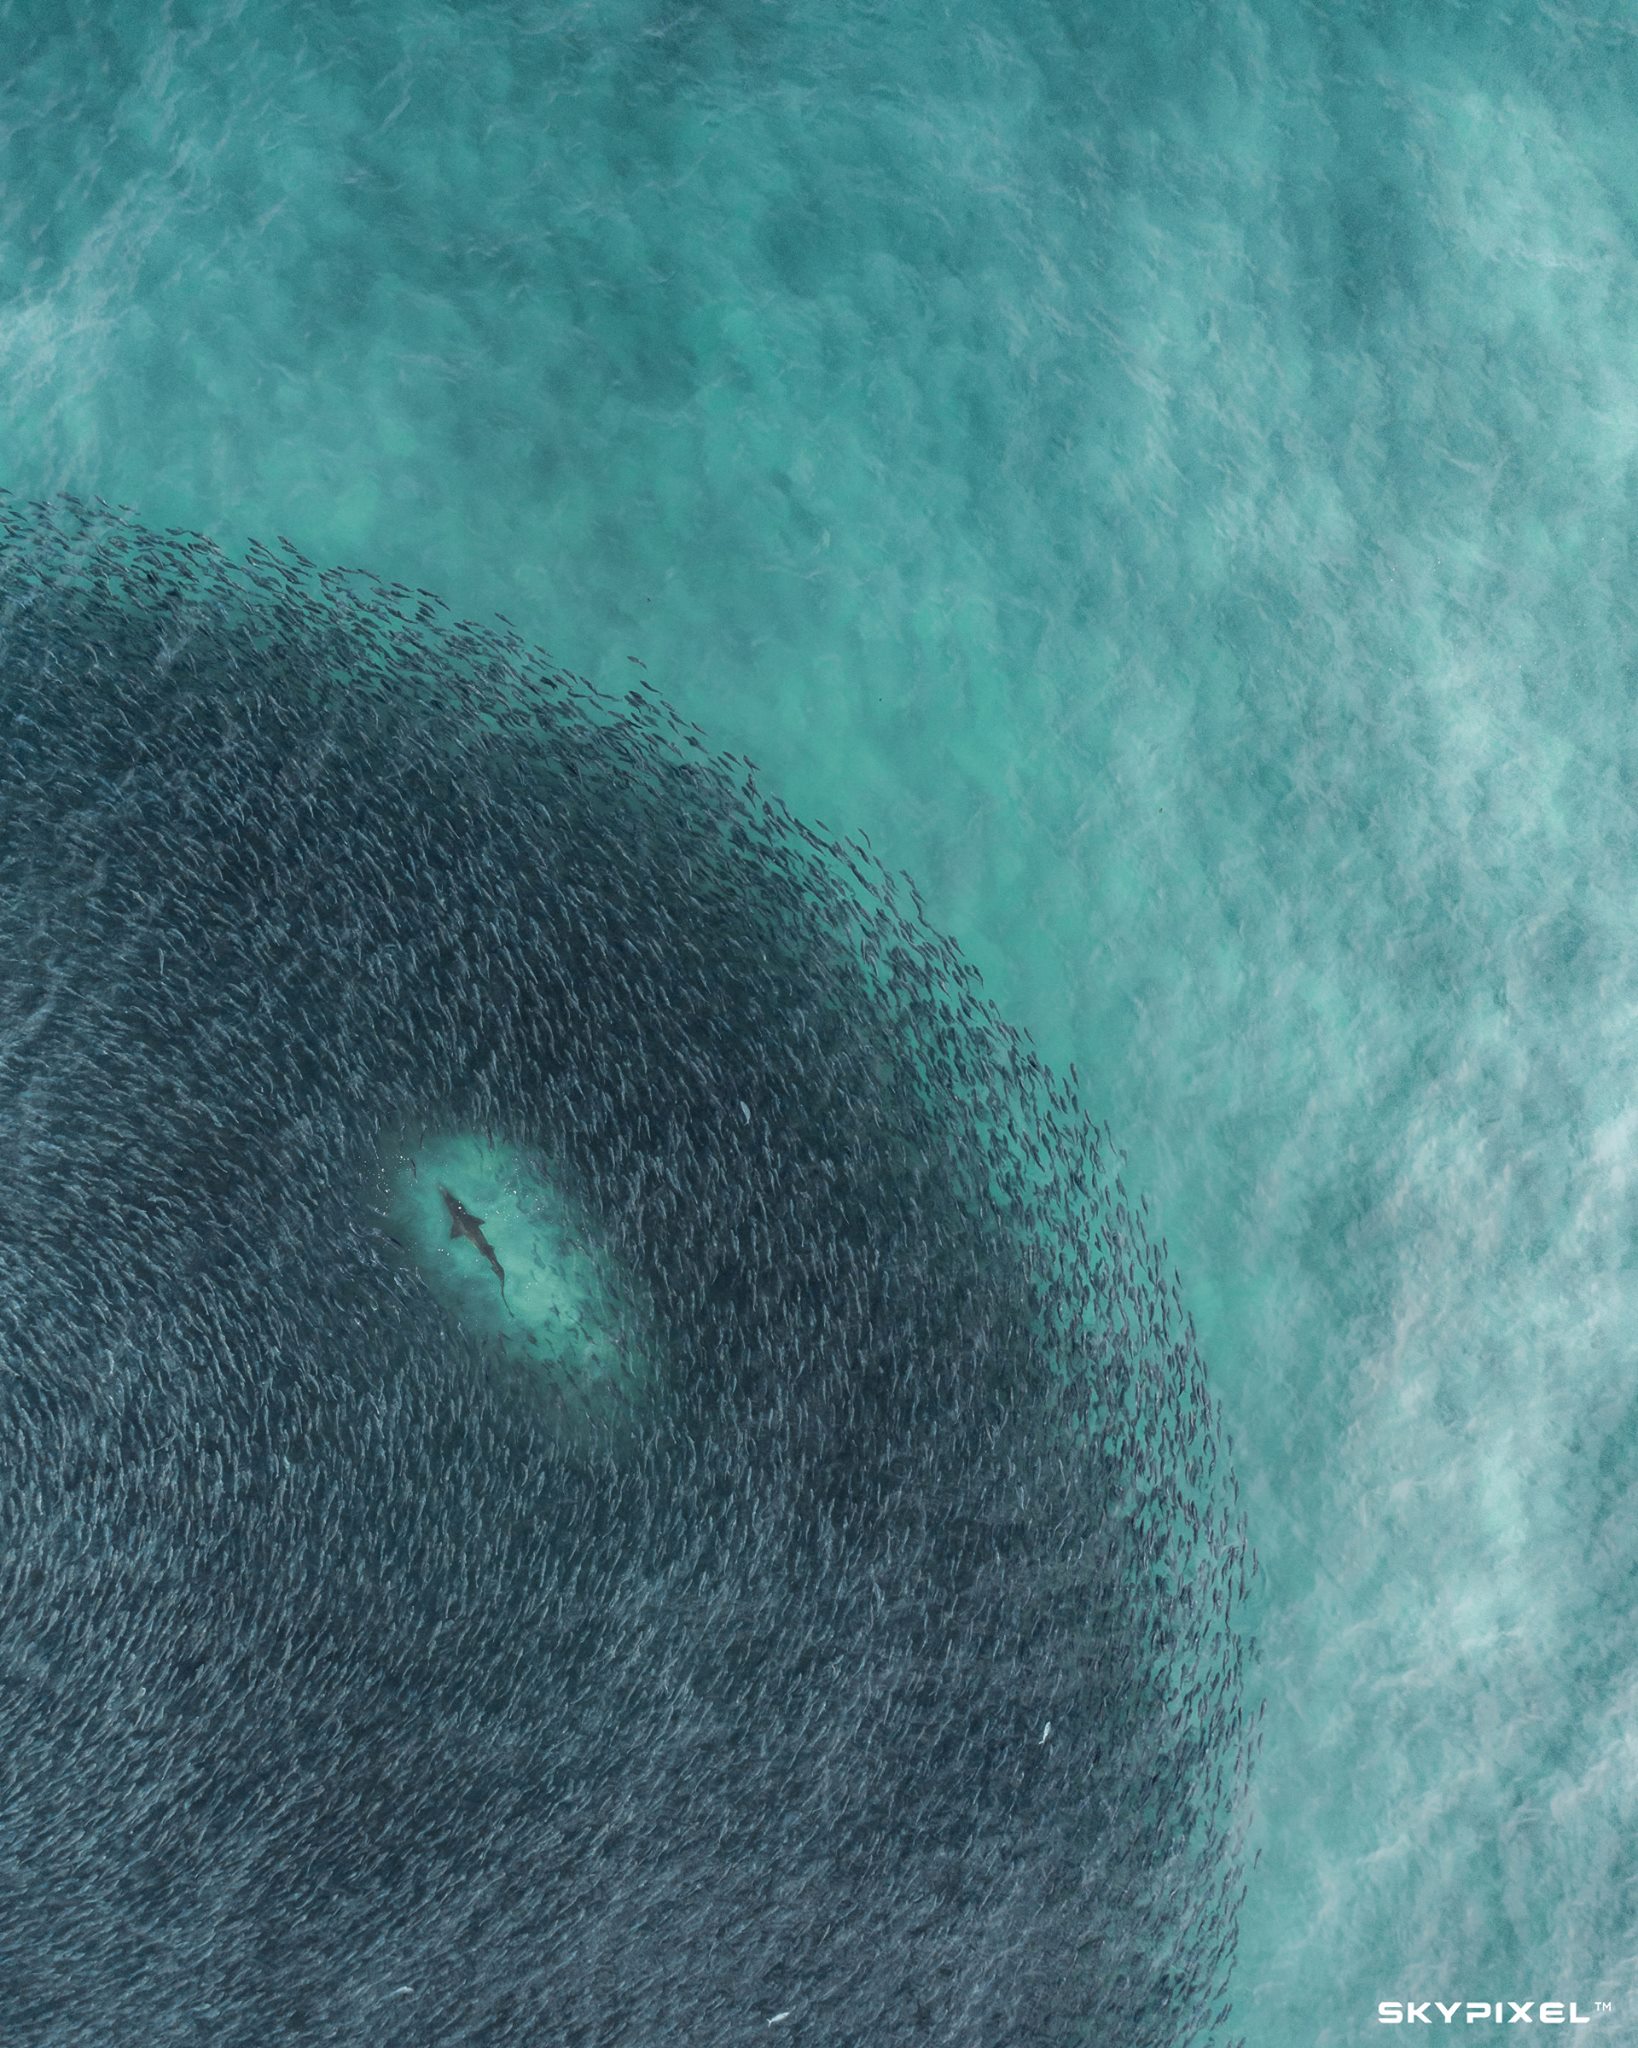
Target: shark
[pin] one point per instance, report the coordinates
(462, 1223)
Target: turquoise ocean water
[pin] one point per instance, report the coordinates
(1170, 476)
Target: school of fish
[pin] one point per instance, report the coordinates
(887, 1685)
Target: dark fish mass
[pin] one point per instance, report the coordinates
(882, 1673)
